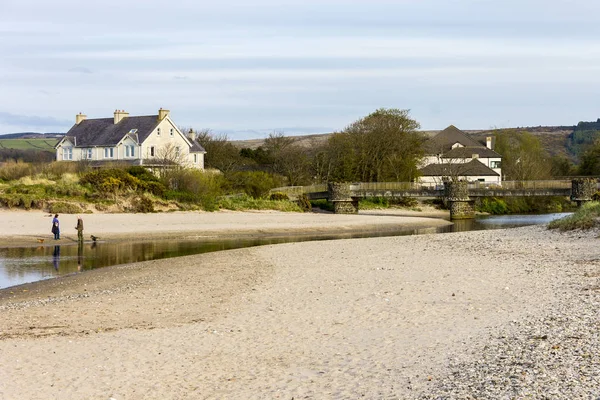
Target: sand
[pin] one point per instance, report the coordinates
(376, 318)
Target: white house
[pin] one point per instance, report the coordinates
(142, 140)
(452, 154)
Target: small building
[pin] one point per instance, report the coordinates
(452, 154)
(150, 140)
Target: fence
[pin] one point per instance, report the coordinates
(295, 191)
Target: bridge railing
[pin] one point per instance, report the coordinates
(295, 191)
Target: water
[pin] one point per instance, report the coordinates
(20, 265)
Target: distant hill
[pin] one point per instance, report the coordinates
(31, 135)
(553, 138)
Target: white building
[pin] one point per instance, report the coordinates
(452, 154)
(143, 140)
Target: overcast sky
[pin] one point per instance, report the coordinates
(299, 66)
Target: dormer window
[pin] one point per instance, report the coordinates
(133, 131)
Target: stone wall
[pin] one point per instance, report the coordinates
(345, 207)
(461, 210)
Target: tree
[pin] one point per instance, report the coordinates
(282, 155)
(590, 160)
(523, 157)
(384, 145)
(221, 154)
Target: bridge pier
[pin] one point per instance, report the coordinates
(456, 195)
(582, 190)
(339, 194)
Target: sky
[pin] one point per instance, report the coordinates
(249, 68)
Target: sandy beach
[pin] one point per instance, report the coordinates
(491, 314)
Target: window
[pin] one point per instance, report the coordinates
(171, 132)
(177, 151)
(133, 131)
(495, 164)
(157, 131)
(195, 158)
(130, 151)
(67, 153)
(86, 154)
(152, 151)
(109, 152)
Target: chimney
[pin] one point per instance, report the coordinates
(162, 114)
(192, 135)
(489, 142)
(119, 115)
(79, 118)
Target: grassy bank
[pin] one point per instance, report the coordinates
(586, 217)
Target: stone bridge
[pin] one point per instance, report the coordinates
(459, 196)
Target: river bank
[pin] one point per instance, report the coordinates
(28, 228)
(486, 314)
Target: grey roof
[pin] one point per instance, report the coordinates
(196, 147)
(472, 168)
(104, 132)
(443, 141)
(467, 152)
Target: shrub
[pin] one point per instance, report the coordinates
(304, 203)
(370, 203)
(142, 204)
(60, 207)
(156, 188)
(493, 206)
(110, 181)
(322, 204)
(245, 202)
(279, 196)
(195, 187)
(142, 174)
(585, 217)
(55, 170)
(12, 170)
(254, 183)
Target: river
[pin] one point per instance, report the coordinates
(20, 265)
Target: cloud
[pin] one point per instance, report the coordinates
(82, 70)
(32, 121)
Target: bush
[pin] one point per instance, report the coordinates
(254, 183)
(245, 202)
(142, 174)
(322, 204)
(195, 187)
(12, 170)
(279, 196)
(585, 217)
(61, 207)
(142, 204)
(492, 206)
(110, 181)
(304, 203)
(55, 170)
(370, 203)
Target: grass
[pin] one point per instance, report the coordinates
(28, 144)
(243, 203)
(585, 217)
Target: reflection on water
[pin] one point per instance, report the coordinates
(29, 264)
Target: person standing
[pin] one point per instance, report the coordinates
(79, 228)
(56, 227)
